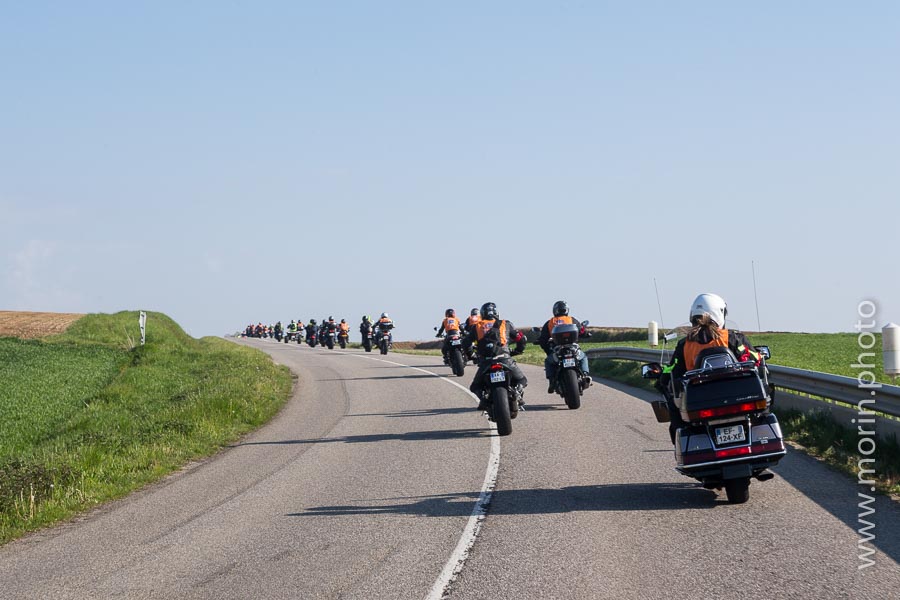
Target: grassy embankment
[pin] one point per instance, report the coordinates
(84, 418)
(816, 432)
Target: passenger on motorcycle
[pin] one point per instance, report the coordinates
(492, 336)
(450, 323)
(545, 341)
(344, 327)
(708, 330)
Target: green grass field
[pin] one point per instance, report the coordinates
(84, 418)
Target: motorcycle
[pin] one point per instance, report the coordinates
(312, 339)
(329, 336)
(454, 356)
(729, 436)
(570, 382)
(368, 341)
(278, 335)
(503, 399)
(343, 336)
(383, 338)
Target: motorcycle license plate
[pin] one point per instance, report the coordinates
(727, 435)
(455, 342)
(568, 362)
(498, 376)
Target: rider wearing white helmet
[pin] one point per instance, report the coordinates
(708, 330)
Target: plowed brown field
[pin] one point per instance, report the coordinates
(34, 324)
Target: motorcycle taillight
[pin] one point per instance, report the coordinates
(496, 367)
(709, 413)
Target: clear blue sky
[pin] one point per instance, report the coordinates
(235, 162)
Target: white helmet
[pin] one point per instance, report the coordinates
(712, 305)
(384, 316)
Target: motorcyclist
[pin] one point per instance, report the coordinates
(329, 326)
(473, 318)
(344, 328)
(545, 341)
(492, 336)
(708, 330)
(365, 327)
(450, 323)
(311, 329)
(385, 324)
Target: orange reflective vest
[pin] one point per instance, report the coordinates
(564, 320)
(693, 349)
(345, 327)
(482, 327)
(451, 324)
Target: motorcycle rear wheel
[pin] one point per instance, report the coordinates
(737, 490)
(568, 382)
(457, 363)
(500, 410)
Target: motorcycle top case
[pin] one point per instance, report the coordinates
(722, 387)
(565, 334)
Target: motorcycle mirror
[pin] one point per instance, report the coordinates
(536, 329)
(585, 323)
(764, 351)
(651, 370)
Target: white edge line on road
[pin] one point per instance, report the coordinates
(457, 560)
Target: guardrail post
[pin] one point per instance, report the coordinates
(890, 343)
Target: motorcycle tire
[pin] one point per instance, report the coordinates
(367, 346)
(384, 347)
(568, 384)
(500, 410)
(330, 343)
(343, 345)
(737, 490)
(457, 363)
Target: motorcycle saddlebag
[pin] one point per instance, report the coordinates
(565, 334)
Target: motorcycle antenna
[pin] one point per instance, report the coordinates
(662, 323)
(755, 297)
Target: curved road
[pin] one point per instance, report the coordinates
(365, 485)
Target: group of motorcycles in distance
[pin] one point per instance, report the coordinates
(328, 333)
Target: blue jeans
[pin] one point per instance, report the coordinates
(551, 364)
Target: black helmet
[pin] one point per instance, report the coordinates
(489, 311)
(473, 312)
(449, 312)
(343, 320)
(365, 318)
(560, 308)
(312, 321)
(331, 318)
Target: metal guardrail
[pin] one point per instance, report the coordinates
(812, 383)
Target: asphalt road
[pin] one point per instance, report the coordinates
(364, 485)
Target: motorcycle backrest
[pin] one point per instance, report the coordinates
(715, 358)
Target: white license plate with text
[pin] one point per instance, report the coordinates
(568, 362)
(727, 435)
(498, 376)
